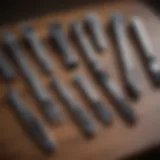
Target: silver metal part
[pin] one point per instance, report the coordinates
(79, 114)
(48, 107)
(96, 30)
(128, 68)
(31, 38)
(101, 76)
(32, 124)
(6, 69)
(148, 53)
(100, 109)
(59, 37)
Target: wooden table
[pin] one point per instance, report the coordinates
(113, 142)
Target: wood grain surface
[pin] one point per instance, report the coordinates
(111, 142)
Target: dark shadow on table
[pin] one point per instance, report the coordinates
(13, 11)
(153, 154)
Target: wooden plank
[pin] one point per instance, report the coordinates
(111, 142)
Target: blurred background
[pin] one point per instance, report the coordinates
(12, 11)
(15, 11)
